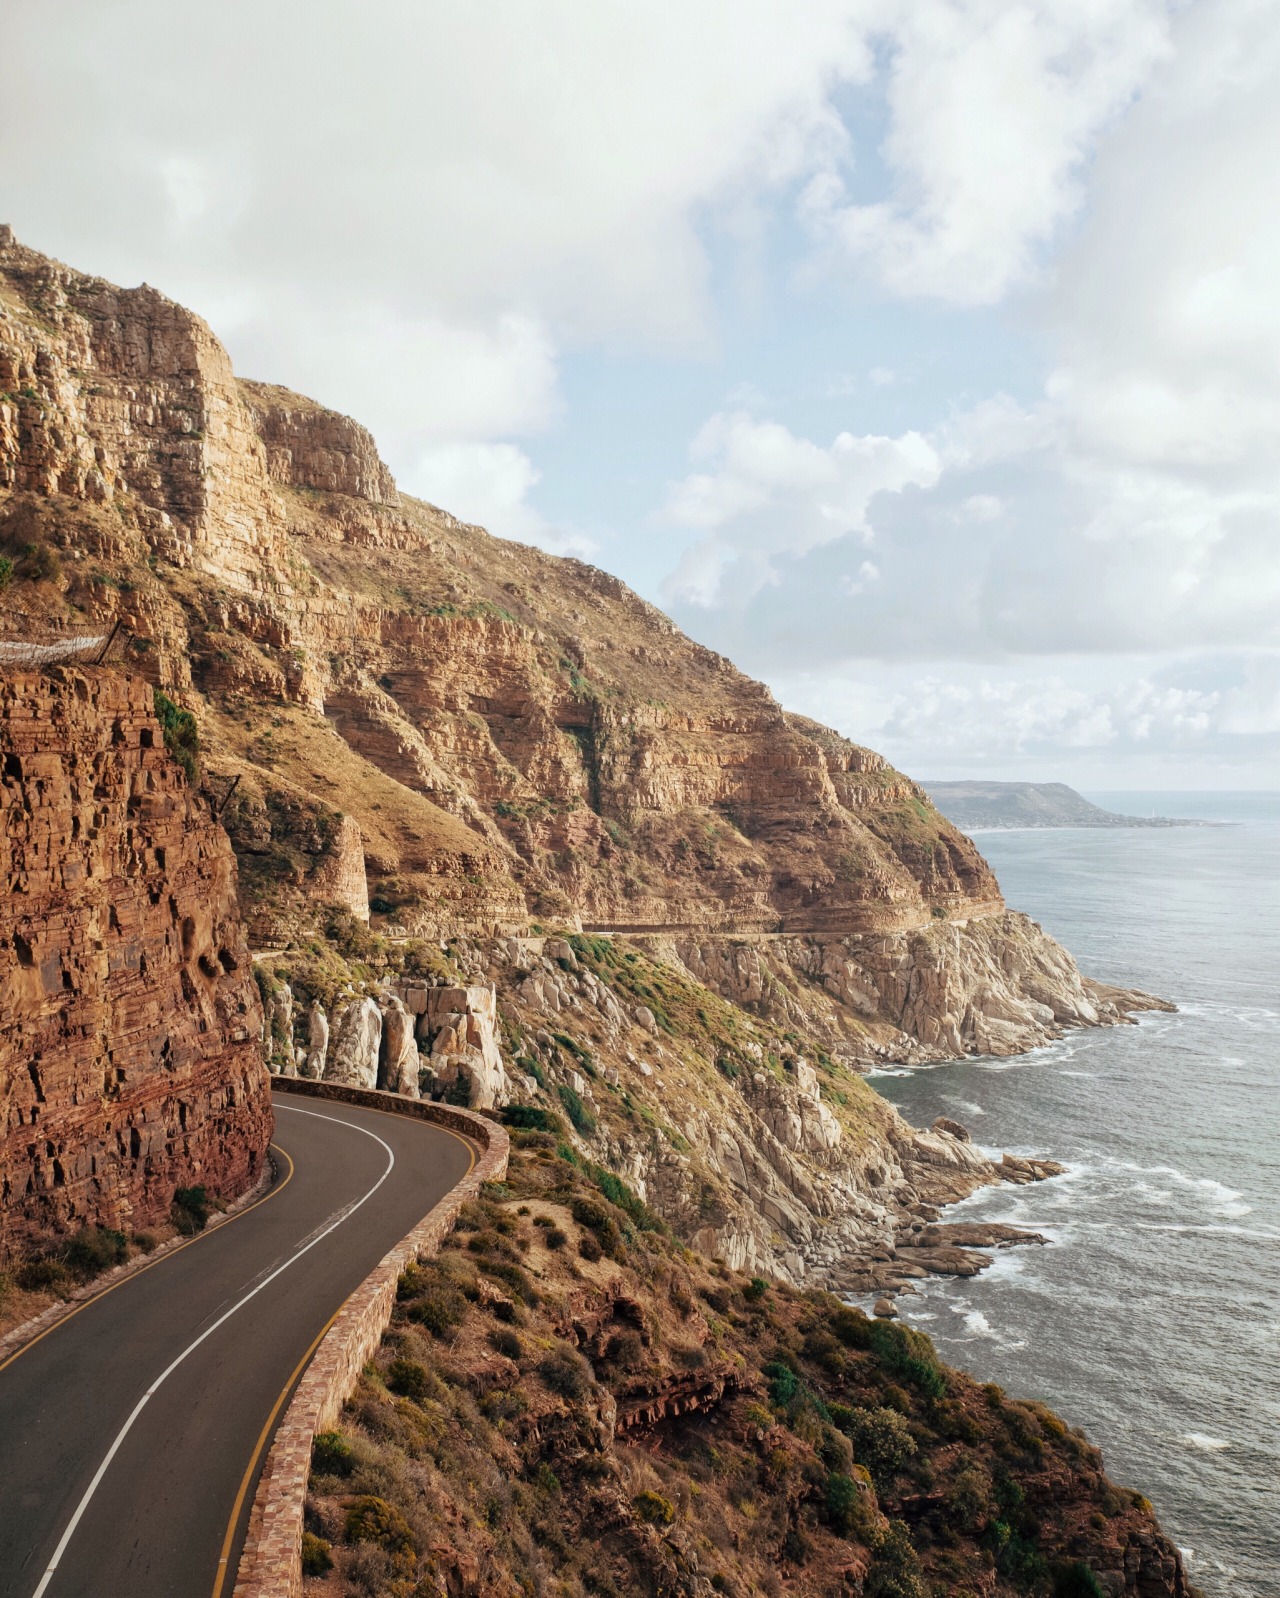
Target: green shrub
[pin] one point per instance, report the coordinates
(908, 1354)
(6, 572)
(1076, 1581)
(35, 562)
(784, 1384)
(852, 1327)
(969, 1499)
(626, 1350)
(511, 1276)
(503, 1404)
(836, 1451)
(844, 1505)
(619, 1194)
(529, 1118)
(755, 1289)
(597, 1220)
(374, 1520)
(506, 1343)
(181, 735)
(317, 1555)
(881, 1439)
(654, 1508)
(895, 1570)
(190, 1210)
(332, 1455)
(439, 1310)
(41, 1274)
(565, 1373)
(96, 1248)
(409, 1379)
(576, 1110)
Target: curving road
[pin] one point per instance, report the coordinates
(131, 1434)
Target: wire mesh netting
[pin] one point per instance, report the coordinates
(20, 654)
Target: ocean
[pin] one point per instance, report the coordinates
(1152, 1317)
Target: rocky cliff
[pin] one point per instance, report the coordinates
(129, 1019)
(416, 728)
(504, 736)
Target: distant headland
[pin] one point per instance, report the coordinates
(1033, 804)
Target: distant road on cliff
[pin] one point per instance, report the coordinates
(230, 1319)
(976, 805)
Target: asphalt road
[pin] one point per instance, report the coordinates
(127, 1431)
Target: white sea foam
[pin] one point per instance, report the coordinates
(1092, 1075)
(1206, 1444)
(1260, 1234)
(963, 1104)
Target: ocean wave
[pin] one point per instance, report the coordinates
(1258, 1234)
(1206, 1444)
(963, 1104)
(1222, 1200)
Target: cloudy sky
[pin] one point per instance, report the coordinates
(924, 358)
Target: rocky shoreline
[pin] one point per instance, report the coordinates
(925, 1245)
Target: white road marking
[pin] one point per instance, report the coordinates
(342, 1215)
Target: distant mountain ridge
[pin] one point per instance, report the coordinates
(1032, 804)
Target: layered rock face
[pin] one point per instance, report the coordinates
(504, 735)
(129, 1020)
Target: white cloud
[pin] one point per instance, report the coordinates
(488, 485)
(993, 111)
(408, 378)
(1134, 506)
(412, 169)
(766, 494)
(1132, 715)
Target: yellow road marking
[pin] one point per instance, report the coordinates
(230, 1534)
(298, 1369)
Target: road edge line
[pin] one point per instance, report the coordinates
(271, 1562)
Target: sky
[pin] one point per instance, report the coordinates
(923, 359)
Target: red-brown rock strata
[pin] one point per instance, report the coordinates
(130, 1061)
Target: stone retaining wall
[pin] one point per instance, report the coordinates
(271, 1564)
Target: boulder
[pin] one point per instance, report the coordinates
(944, 1123)
(317, 1043)
(883, 1307)
(398, 1063)
(461, 1026)
(353, 1058)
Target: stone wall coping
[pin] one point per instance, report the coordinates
(271, 1563)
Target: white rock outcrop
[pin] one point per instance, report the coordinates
(353, 1054)
(317, 1042)
(460, 1027)
(398, 1065)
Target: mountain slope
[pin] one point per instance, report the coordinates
(515, 735)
